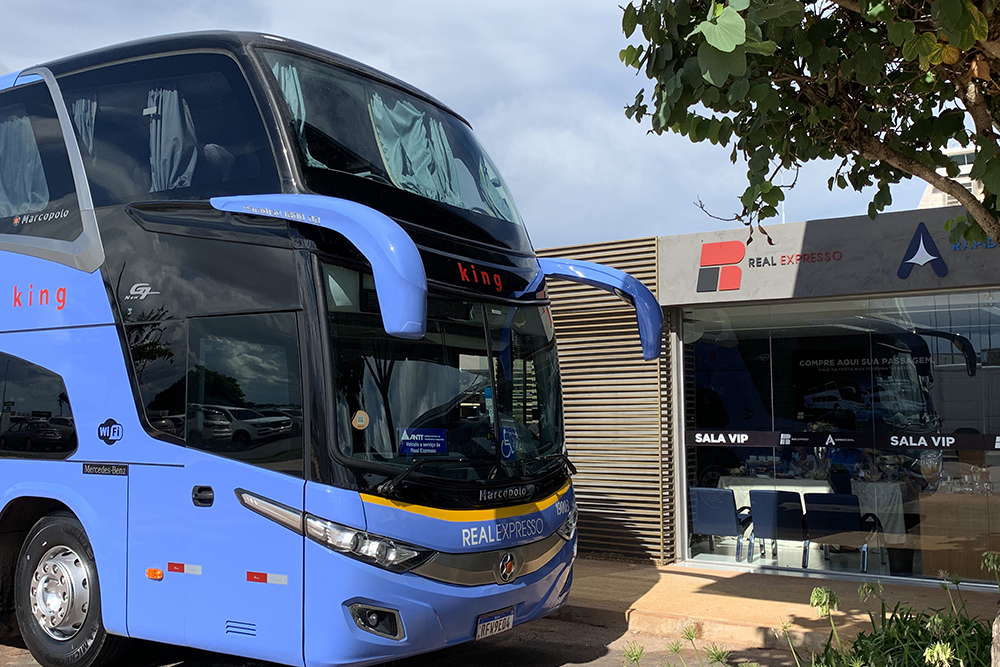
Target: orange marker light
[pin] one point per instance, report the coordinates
(155, 574)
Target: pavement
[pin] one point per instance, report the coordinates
(742, 608)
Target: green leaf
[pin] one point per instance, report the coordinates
(739, 5)
(738, 91)
(878, 10)
(956, 234)
(947, 13)
(975, 233)
(727, 32)
(717, 66)
(762, 48)
(980, 27)
(782, 12)
(991, 176)
(629, 20)
(900, 32)
(921, 45)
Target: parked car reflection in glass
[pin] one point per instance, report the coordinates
(56, 434)
(207, 428)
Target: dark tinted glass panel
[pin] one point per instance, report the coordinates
(37, 421)
(158, 351)
(178, 127)
(237, 367)
(37, 194)
(160, 276)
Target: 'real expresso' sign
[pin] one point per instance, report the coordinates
(884, 441)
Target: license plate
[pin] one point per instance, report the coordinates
(494, 623)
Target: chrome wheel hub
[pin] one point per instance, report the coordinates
(60, 595)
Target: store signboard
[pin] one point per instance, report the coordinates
(898, 252)
(881, 441)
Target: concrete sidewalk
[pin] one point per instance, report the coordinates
(738, 608)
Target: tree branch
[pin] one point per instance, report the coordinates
(850, 5)
(872, 148)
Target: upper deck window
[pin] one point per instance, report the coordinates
(349, 123)
(37, 194)
(176, 127)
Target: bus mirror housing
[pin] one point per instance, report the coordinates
(621, 284)
(400, 280)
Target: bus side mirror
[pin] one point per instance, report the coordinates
(621, 284)
(400, 281)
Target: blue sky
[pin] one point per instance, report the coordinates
(540, 82)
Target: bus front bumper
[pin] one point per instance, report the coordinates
(432, 614)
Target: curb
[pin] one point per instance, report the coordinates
(672, 626)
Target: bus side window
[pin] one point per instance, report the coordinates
(159, 350)
(36, 421)
(244, 397)
(37, 193)
(177, 127)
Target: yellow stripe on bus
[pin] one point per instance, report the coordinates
(469, 515)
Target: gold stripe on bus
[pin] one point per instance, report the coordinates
(469, 515)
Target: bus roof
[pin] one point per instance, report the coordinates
(236, 42)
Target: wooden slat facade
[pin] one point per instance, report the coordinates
(617, 409)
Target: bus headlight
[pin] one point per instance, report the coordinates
(366, 547)
(568, 528)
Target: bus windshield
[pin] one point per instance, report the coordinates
(349, 123)
(478, 396)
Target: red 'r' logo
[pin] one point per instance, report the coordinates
(718, 272)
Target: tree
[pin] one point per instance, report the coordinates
(883, 85)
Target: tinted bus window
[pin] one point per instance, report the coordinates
(158, 351)
(37, 194)
(36, 421)
(178, 127)
(237, 367)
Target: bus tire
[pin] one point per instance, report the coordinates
(57, 597)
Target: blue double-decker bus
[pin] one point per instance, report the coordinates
(279, 370)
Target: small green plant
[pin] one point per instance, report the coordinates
(690, 633)
(902, 637)
(991, 563)
(940, 654)
(675, 648)
(634, 652)
(825, 601)
(717, 655)
(786, 625)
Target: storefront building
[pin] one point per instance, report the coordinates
(835, 395)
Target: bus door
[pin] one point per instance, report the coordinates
(244, 486)
(219, 522)
(243, 568)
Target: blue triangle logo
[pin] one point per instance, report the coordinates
(922, 250)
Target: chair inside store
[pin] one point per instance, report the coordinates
(777, 515)
(835, 519)
(714, 513)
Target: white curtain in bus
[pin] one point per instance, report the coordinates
(287, 77)
(416, 153)
(23, 188)
(173, 143)
(84, 111)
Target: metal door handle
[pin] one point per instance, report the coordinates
(202, 496)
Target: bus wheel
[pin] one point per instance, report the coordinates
(57, 597)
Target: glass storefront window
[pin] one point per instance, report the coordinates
(883, 407)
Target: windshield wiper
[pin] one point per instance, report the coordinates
(523, 463)
(388, 487)
(564, 457)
